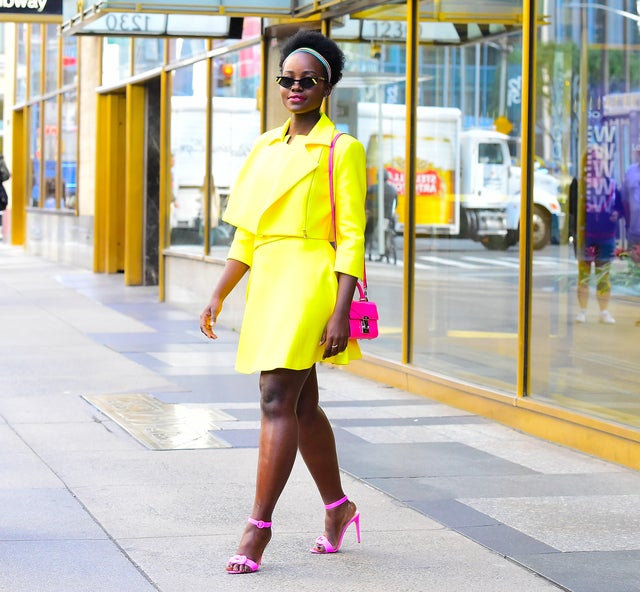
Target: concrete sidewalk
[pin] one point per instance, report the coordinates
(128, 450)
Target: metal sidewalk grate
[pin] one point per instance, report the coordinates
(162, 426)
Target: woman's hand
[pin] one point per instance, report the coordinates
(335, 336)
(209, 316)
(233, 271)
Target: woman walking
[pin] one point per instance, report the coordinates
(301, 283)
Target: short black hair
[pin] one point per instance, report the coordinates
(315, 40)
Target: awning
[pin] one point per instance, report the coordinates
(116, 18)
(357, 28)
(441, 21)
(446, 22)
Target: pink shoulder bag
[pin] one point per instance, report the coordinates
(363, 314)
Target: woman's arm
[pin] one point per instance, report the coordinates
(231, 275)
(350, 184)
(239, 261)
(337, 330)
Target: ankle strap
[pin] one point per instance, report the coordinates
(336, 504)
(260, 523)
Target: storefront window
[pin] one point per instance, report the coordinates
(51, 58)
(50, 152)
(242, 28)
(148, 54)
(69, 60)
(467, 266)
(466, 279)
(35, 61)
(69, 165)
(188, 156)
(235, 124)
(235, 127)
(181, 49)
(35, 152)
(21, 63)
(116, 59)
(586, 300)
(369, 103)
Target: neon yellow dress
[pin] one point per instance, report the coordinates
(280, 205)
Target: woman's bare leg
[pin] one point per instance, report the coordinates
(584, 273)
(603, 284)
(318, 449)
(278, 446)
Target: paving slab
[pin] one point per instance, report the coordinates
(449, 500)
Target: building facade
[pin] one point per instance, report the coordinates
(518, 123)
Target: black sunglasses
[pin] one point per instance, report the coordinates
(305, 83)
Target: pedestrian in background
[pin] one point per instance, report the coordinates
(5, 175)
(390, 200)
(602, 210)
(631, 203)
(300, 287)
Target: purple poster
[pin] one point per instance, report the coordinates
(599, 168)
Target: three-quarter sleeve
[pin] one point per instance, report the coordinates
(242, 247)
(350, 190)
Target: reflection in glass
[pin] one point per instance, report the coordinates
(69, 164)
(35, 156)
(148, 54)
(180, 49)
(466, 287)
(369, 104)
(466, 279)
(584, 354)
(21, 62)
(188, 155)
(116, 59)
(235, 127)
(35, 61)
(51, 59)
(50, 153)
(69, 60)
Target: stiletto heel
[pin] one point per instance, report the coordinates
(324, 541)
(243, 559)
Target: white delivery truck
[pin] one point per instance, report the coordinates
(236, 125)
(464, 182)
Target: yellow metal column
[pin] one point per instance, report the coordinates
(529, 35)
(413, 25)
(101, 183)
(208, 185)
(18, 195)
(165, 175)
(110, 191)
(134, 183)
(584, 104)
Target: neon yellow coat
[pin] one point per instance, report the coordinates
(281, 207)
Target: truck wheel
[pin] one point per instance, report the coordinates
(541, 228)
(495, 243)
(512, 237)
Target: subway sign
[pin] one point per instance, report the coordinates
(21, 8)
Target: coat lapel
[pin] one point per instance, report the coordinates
(273, 170)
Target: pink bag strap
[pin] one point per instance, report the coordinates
(363, 290)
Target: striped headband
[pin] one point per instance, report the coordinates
(315, 54)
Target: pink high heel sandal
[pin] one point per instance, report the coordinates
(324, 541)
(243, 559)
